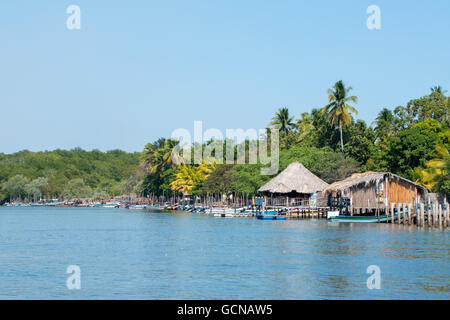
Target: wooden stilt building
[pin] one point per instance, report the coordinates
(374, 191)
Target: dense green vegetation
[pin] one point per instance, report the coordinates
(411, 140)
(73, 174)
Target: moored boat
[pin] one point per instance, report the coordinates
(224, 215)
(110, 205)
(361, 219)
(138, 207)
(270, 217)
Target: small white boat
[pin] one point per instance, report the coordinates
(233, 215)
(332, 214)
(225, 210)
(224, 215)
(110, 205)
(138, 207)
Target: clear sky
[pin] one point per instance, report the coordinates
(137, 70)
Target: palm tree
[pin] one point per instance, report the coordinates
(338, 110)
(384, 122)
(437, 173)
(185, 176)
(438, 89)
(189, 178)
(158, 155)
(282, 121)
(305, 126)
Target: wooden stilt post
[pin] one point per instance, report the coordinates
(409, 213)
(403, 213)
(418, 215)
(447, 215)
(430, 215)
(440, 216)
(422, 214)
(399, 213)
(392, 212)
(434, 216)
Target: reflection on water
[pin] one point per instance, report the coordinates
(125, 254)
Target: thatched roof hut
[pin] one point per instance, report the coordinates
(294, 180)
(366, 178)
(372, 189)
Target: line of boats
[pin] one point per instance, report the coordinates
(224, 212)
(124, 205)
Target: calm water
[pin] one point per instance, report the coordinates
(124, 254)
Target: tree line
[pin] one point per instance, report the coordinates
(411, 141)
(65, 174)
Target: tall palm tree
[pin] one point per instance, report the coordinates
(158, 155)
(338, 110)
(282, 121)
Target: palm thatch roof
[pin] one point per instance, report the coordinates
(294, 179)
(366, 178)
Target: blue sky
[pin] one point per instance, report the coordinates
(137, 70)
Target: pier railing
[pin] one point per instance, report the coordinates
(423, 215)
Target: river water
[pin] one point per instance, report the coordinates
(126, 254)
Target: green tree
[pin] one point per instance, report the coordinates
(220, 181)
(360, 145)
(158, 155)
(247, 179)
(338, 110)
(96, 168)
(412, 148)
(36, 188)
(438, 90)
(327, 164)
(436, 175)
(100, 195)
(77, 189)
(384, 123)
(282, 121)
(323, 135)
(15, 187)
(434, 106)
(305, 127)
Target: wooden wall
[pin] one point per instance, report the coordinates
(400, 192)
(365, 197)
(397, 192)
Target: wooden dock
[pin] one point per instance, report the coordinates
(433, 215)
(302, 212)
(429, 215)
(422, 215)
